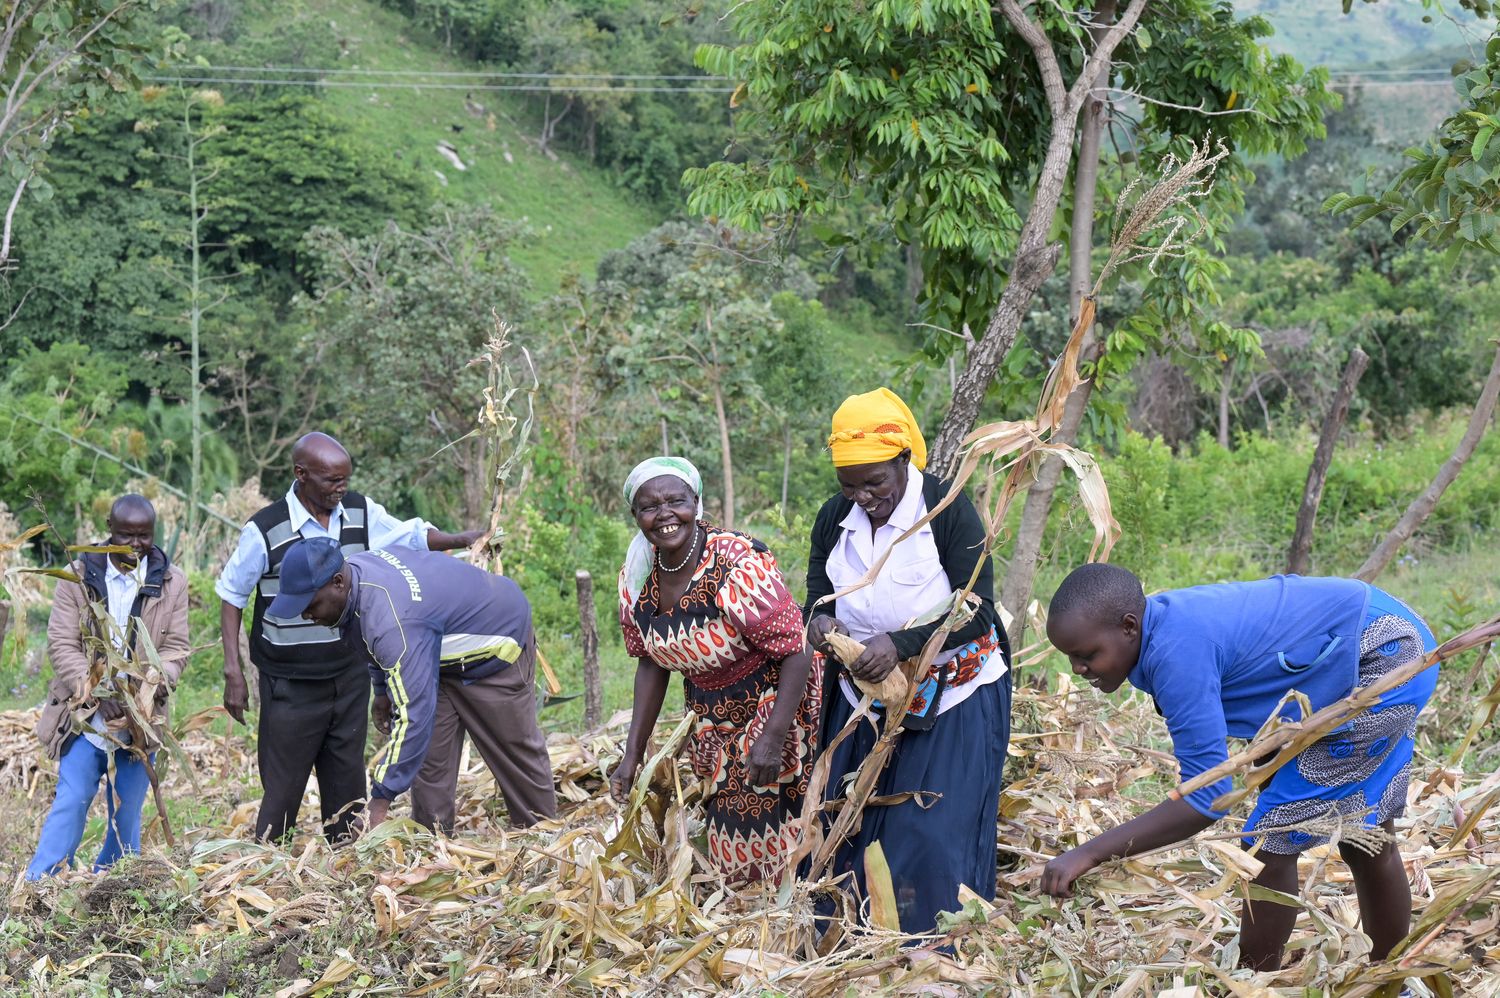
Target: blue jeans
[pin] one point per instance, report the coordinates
(78, 774)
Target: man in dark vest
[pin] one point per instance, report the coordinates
(314, 693)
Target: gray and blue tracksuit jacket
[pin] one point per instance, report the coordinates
(420, 616)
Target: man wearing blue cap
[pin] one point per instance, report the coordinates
(314, 692)
(450, 652)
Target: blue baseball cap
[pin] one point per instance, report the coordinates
(306, 568)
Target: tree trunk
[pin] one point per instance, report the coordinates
(726, 458)
(913, 273)
(1424, 504)
(786, 467)
(593, 688)
(1300, 559)
(1035, 258)
(1020, 579)
(195, 315)
(1226, 380)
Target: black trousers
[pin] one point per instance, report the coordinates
(306, 726)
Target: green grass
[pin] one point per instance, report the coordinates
(577, 210)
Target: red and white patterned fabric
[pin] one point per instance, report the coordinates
(727, 636)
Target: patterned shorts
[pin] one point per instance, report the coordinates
(1359, 772)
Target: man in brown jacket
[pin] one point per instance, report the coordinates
(120, 601)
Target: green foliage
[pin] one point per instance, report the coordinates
(1207, 514)
(405, 310)
(1450, 191)
(47, 396)
(1424, 327)
(58, 61)
(92, 255)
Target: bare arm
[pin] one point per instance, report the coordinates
(764, 763)
(1168, 822)
(441, 540)
(236, 693)
(650, 690)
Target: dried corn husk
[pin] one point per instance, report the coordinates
(555, 910)
(891, 689)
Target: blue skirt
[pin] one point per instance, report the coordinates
(1360, 771)
(930, 850)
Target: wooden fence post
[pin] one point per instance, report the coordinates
(593, 689)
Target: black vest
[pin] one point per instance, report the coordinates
(299, 649)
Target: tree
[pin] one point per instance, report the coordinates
(1451, 191)
(1449, 195)
(404, 312)
(198, 280)
(966, 126)
(59, 58)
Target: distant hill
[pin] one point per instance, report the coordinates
(1318, 32)
(577, 210)
(1401, 61)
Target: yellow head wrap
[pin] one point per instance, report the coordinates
(875, 426)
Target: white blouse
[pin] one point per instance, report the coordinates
(911, 583)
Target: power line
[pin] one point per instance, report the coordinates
(1389, 72)
(396, 85)
(483, 73)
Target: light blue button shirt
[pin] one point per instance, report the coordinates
(243, 571)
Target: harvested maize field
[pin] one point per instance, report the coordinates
(617, 900)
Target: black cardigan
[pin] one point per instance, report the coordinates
(959, 536)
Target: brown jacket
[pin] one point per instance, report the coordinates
(74, 635)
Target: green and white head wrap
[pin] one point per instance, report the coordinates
(638, 557)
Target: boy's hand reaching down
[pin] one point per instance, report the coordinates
(1060, 873)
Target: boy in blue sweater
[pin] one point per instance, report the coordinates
(1216, 660)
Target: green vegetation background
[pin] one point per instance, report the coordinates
(571, 230)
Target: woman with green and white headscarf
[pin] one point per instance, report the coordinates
(711, 604)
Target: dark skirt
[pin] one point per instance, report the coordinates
(934, 849)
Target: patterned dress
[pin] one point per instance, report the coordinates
(727, 637)
(1361, 771)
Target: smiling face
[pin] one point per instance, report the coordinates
(328, 603)
(323, 478)
(666, 510)
(1102, 653)
(876, 488)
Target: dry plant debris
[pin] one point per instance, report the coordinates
(618, 901)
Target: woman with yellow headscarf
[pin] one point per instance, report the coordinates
(952, 745)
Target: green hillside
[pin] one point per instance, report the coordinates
(577, 211)
(1318, 32)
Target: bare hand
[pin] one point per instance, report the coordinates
(623, 778)
(111, 709)
(380, 710)
(877, 661)
(162, 692)
(1058, 877)
(236, 695)
(467, 538)
(763, 763)
(375, 814)
(818, 629)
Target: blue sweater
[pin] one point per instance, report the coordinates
(1216, 659)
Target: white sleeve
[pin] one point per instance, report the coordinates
(243, 570)
(385, 531)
